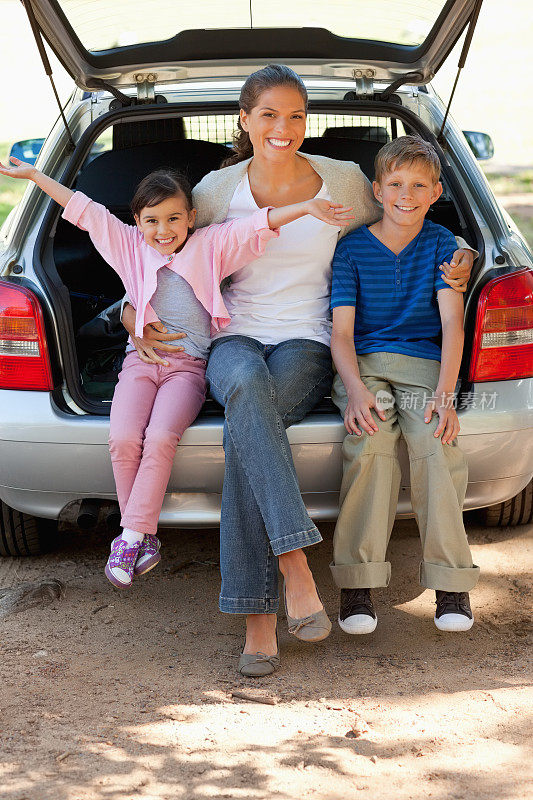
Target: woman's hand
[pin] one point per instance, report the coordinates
(332, 213)
(458, 271)
(443, 405)
(154, 336)
(20, 170)
(360, 401)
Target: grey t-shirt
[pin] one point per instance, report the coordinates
(180, 311)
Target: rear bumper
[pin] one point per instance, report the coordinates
(50, 458)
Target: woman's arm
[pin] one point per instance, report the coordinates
(457, 272)
(24, 171)
(154, 336)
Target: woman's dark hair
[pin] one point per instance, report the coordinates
(255, 84)
(158, 186)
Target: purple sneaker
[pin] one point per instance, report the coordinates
(123, 558)
(149, 554)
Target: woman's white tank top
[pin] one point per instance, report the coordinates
(285, 293)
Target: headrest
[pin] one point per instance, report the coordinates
(112, 177)
(361, 151)
(373, 133)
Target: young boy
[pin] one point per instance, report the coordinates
(390, 306)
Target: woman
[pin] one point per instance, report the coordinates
(272, 364)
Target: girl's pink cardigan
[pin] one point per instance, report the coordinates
(209, 255)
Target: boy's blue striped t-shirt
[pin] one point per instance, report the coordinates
(395, 296)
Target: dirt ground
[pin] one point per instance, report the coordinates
(127, 695)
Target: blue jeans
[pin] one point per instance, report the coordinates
(264, 389)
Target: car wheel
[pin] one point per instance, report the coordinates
(24, 535)
(516, 511)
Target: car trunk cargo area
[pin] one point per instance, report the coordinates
(114, 160)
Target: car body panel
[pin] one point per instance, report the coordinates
(37, 473)
(52, 456)
(247, 36)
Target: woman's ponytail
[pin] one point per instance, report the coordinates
(242, 147)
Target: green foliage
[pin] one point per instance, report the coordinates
(10, 190)
(516, 181)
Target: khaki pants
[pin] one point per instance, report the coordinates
(371, 483)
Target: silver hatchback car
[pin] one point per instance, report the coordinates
(156, 90)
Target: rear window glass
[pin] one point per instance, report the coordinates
(105, 24)
(219, 128)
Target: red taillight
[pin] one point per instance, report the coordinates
(24, 360)
(503, 340)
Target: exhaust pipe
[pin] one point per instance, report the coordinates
(113, 518)
(88, 514)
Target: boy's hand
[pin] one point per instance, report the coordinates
(360, 401)
(332, 213)
(443, 405)
(457, 272)
(20, 170)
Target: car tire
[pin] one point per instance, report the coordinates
(516, 511)
(24, 535)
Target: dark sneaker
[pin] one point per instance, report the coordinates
(357, 613)
(453, 611)
(149, 555)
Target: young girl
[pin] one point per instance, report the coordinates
(171, 275)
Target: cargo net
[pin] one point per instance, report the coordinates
(220, 128)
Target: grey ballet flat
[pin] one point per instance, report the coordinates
(257, 665)
(313, 628)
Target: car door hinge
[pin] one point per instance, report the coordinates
(145, 87)
(364, 83)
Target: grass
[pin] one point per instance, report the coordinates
(524, 222)
(506, 186)
(513, 182)
(10, 190)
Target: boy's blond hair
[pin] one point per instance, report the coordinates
(406, 150)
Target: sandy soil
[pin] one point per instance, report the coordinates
(110, 695)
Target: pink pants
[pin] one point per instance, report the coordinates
(152, 407)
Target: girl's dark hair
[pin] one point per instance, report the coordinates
(255, 84)
(158, 186)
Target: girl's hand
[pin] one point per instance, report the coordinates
(154, 336)
(457, 272)
(358, 411)
(332, 213)
(20, 170)
(448, 426)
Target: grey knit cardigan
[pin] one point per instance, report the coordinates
(344, 180)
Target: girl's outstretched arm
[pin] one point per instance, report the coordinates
(25, 171)
(332, 213)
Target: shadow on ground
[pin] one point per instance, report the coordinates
(112, 695)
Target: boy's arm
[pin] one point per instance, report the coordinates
(24, 171)
(360, 399)
(451, 310)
